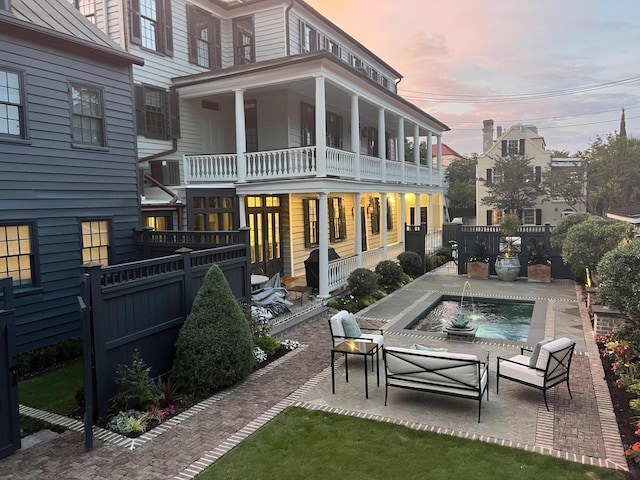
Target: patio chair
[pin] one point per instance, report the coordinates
(343, 326)
(548, 369)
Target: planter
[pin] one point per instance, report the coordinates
(478, 270)
(539, 273)
(507, 268)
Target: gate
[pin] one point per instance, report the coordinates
(9, 414)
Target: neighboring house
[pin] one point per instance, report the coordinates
(629, 214)
(448, 154)
(264, 114)
(67, 161)
(526, 141)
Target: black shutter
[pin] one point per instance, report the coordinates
(141, 117)
(489, 175)
(538, 216)
(168, 28)
(504, 148)
(389, 217)
(216, 60)
(192, 33)
(343, 221)
(134, 20)
(538, 174)
(332, 236)
(521, 147)
(173, 103)
(305, 211)
(489, 217)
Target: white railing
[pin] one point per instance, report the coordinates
(372, 257)
(370, 168)
(205, 168)
(394, 250)
(339, 271)
(291, 162)
(393, 171)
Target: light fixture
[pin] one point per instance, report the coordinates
(369, 209)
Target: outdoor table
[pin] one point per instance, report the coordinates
(355, 347)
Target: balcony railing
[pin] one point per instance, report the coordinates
(303, 162)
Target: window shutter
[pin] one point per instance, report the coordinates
(305, 211)
(489, 175)
(141, 118)
(521, 147)
(504, 148)
(192, 33)
(538, 216)
(134, 20)
(538, 174)
(489, 217)
(173, 102)
(168, 28)
(343, 221)
(332, 235)
(216, 61)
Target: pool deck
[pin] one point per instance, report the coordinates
(582, 429)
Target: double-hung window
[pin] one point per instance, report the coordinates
(151, 25)
(311, 213)
(204, 38)
(87, 8)
(244, 41)
(375, 215)
(12, 122)
(308, 38)
(5, 5)
(157, 112)
(337, 220)
(87, 115)
(16, 254)
(95, 241)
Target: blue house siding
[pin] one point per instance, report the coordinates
(47, 182)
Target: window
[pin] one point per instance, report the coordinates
(494, 176)
(213, 213)
(337, 220)
(158, 221)
(390, 212)
(374, 205)
(332, 46)
(87, 8)
(311, 213)
(251, 125)
(87, 116)
(11, 105)
(157, 112)
(204, 38)
(528, 216)
(16, 254)
(5, 5)
(151, 25)
(334, 130)
(308, 126)
(244, 41)
(308, 38)
(370, 135)
(95, 241)
(513, 147)
(494, 217)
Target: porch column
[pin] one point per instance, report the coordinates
(430, 223)
(382, 146)
(403, 220)
(242, 210)
(355, 136)
(439, 164)
(321, 129)
(430, 156)
(323, 245)
(400, 147)
(241, 138)
(358, 228)
(417, 220)
(383, 200)
(416, 150)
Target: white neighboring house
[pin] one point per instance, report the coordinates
(521, 140)
(265, 114)
(629, 214)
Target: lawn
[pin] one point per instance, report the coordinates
(53, 391)
(317, 445)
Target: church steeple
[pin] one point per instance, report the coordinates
(623, 125)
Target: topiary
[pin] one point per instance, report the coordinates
(215, 345)
(362, 282)
(389, 273)
(411, 264)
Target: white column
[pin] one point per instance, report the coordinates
(403, 220)
(430, 224)
(383, 200)
(355, 135)
(400, 147)
(417, 220)
(323, 246)
(321, 128)
(242, 211)
(241, 138)
(416, 150)
(430, 156)
(382, 147)
(439, 139)
(358, 229)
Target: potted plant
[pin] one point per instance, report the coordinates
(538, 263)
(478, 263)
(508, 263)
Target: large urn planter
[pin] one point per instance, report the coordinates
(539, 273)
(478, 270)
(507, 268)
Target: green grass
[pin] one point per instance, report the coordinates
(53, 391)
(318, 445)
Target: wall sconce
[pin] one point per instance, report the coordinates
(353, 212)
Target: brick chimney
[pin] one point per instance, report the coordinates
(487, 135)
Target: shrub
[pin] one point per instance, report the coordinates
(559, 232)
(389, 273)
(620, 279)
(49, 357)
(480, 252)
(362, 282)
(411, 264)
(215, 345)
(269, 345)
(136, 389)
(434, 261)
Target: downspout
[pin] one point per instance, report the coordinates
(287, 33)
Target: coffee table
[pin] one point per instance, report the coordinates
(355, 347)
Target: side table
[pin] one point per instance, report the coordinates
(355, 347)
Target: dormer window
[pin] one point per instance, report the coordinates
(513, 147)
(244, 41)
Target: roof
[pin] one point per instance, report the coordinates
(60, 19)
(630, 211)
(446, 150)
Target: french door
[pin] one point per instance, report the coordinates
(263, 220)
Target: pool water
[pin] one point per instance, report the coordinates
(498, 319)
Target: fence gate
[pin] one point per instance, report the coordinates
(9, 415)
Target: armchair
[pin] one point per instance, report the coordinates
(343, 326)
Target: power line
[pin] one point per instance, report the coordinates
(558, 126)
(548, 118)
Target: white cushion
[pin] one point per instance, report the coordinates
(545, 350)
(521, 371)
(336, 323)
(379, 339)
(536, 351)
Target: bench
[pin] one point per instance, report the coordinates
(443, 372)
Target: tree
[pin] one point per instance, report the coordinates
(408, 152)
(559, 232)
(560, 154)
(513, 186)
(461, 177)
(215, 345)
(566, 183)
(620, 279)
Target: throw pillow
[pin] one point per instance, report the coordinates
(351, 328)
(536, 351)
(417, 346)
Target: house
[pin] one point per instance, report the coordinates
(448, 154)
(68, 162)
(265, 115)
(522, 140)
(629, 214)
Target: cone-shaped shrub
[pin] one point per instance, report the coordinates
(215, 346)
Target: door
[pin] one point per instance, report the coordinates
(9, 416)
(263, 220)
(363, 228)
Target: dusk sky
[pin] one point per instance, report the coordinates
(471, 60)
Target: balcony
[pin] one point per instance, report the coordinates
(302, 162)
